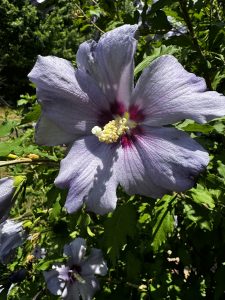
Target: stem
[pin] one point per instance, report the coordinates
(87, 18)
(26, 161)
(132, 285)
(24, 216)
(196, 45)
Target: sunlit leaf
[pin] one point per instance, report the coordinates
(163, 221)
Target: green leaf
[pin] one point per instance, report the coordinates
(90, 232)
(22, 102)
(33, 115)
(163, 221)
(156, 53)
(118, 227)
(10, 146)
(217, 79)
(6, 128)
(25, 99)
(18, 181)
(84, 220)
(221, 169)
(94, 11)
(202, 197)
(205, 128)
(43, 266)
(219, 126)
(133, 266)
(159, 21)
(191, 126)
(55, 211)
(160, 4)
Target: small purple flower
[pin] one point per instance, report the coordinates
(12, 236)
(39, 252)
(77, 277)
(7, 189)
(118, 133)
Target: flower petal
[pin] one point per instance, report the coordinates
(73, 292)
(6, 193)
(63, 101)
(88, 171)
(12, 236)
(110, 62)
(55, 286)
(167, 93)
(76, 251)
(161, 160)
(89, 288)
(49, 134)
(94, 264)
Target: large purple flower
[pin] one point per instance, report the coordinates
(77, 278)
(117, 132)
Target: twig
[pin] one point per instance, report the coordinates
(26, 161)
(196, 45)
(87, 18)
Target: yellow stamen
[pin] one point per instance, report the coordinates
(113, 130)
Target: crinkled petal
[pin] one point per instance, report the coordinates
(63, 272)
(7, 190)
(12, 236)
(73, 292)
(134, 175)
(55, 286)
(59, 284)
(88, 171)
(159, 161)
(49, 134)
(89, 288)
(94, 264)
(110, 62)
(63, 101)
(167, 93)
(76, 251)
(91, 88)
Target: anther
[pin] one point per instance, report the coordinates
(113, 130)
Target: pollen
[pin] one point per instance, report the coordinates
(113, 130)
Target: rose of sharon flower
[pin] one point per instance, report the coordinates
(12, 236)
(117, 133)
(77, 277)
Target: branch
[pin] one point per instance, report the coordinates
(27, 161)
(88, 19)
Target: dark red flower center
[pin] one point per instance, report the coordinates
(118, 124)
(75, 274)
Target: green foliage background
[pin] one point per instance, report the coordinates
(169, 248)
